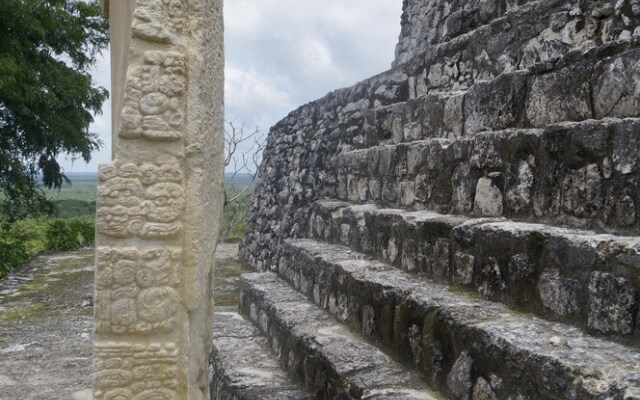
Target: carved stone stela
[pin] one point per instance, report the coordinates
(159, 201)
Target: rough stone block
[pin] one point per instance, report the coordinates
(488, 199)
(463, 183)
(434, 106)
(482, 390)
(416, 158)
(626, 147)
(560, 295)
(520, 185)
(436, 259)
(616, 91)
(464, 265)
(582, 192)
(613, 304)
(522, 270)
(453, 119)
(495, 105)
(460, 379)
(559, 96)
(487, 151)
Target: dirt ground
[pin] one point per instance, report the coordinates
(46, 323)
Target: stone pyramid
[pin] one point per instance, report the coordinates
(465, 225)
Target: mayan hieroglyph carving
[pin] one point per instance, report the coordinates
(138, 290)
(159, 21)
(144, 201)
(159, 202)
(154, 101)
(140, 372)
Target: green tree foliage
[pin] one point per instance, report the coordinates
(14, 248)
(47, 97)
(21, 240)
(60, 236)
(69, 234)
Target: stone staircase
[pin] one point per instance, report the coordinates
(463, 226)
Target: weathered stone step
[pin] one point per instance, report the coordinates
(460, 343)
(550, 93)
(243, 367)
(318, 350)
(438, 115)
(584, 174)
(541, 28)
(596, 83)
(533, 34)
(587, 279)
(426, 23)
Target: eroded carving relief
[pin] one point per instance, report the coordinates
(126, 371)
(154, 100)
(157, 205)
(136, 291)
(145, 201)
(159, 21)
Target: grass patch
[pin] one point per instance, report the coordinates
(23, 239)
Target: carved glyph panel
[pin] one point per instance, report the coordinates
(154, 104)
(137, 291)
(145, 201)
(159, 21)
(158, 201)
(126, 371)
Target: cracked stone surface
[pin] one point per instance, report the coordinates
(243, 366)
(46, 325)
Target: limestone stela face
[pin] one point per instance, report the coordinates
(158, 202)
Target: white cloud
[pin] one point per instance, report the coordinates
(315, 56)
(320, 46)
(253, 96)
(281, 54)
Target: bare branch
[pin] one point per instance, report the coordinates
(243, 154)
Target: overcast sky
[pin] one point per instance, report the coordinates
(281, 54)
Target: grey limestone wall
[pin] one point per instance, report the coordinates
(298, 166)
(474, 211)
(525, 110)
